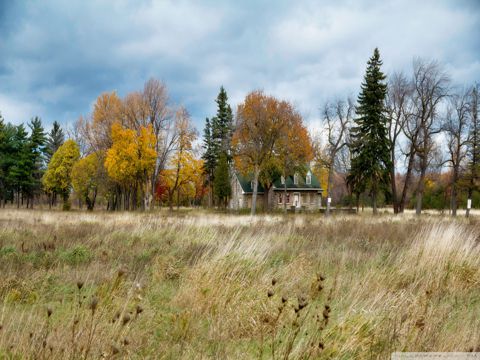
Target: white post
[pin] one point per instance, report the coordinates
(469, 206)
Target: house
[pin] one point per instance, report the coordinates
(302, 192)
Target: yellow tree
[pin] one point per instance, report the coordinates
(260, 123)
(87, 178)
(57, 177)
(131, 160)
(182, 164)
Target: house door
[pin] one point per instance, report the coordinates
(296, 200)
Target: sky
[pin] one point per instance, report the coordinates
(57, 56)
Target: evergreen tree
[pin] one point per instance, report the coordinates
(209, 158)
(55, 139)
(218, 138)
(19, 164)
(3, 155)
(221, 182)
(222, 126)
(36, 143)
(370, 145)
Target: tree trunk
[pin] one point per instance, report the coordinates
(469, 197)
(256, 173)
(170, 200)
(178, 198)
(65, 201)
(406, 185)
(453, 195)
(374, 202)
(394, 185)
(419, 192)
(285, 195)
(329, 187)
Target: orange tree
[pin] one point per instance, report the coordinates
(268, 131)
(130, 161)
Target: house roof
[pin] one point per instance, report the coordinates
(246, 184)
(301, 185)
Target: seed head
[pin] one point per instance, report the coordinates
(126, 319)
(121, 272)
(284, 299)
(270, 293)
(79, 284)
(274, 281)
(93, 304)
(138, 310)
(49, 312)
(115, 350)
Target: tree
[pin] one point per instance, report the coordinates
(182, 164)
(86, 178)
(222, 127)
(218, 138)
(209, 159)
(37, 149)
(130, 161)
(55, 139)
(455, 127)
(430, 87)
(20, 164)
(370, 144)
(398, 105)
(293, 150)
(160, 117)
(473, 153)
(221, 183)
(337, 118)
(58, 175)
(258, 128)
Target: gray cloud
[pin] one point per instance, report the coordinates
(57, 56)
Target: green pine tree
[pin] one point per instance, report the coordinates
(209, 157)
(370, 145)
(221, 182)
(222, 126)
(37, 150)
(217, 139)
(55, 139)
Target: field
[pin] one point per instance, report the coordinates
(204, 285)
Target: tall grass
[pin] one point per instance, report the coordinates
(78, 285)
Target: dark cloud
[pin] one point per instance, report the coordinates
(57, 56)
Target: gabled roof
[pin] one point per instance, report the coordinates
(302, 184)
(246, 183)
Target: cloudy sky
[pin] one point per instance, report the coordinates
(56, 57)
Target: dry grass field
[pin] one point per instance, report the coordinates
(199, 285)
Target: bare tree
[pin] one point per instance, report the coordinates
(473, 153)
(161, 116)
(337, 118)
(455, 127)
(398, 105)
(430, 87)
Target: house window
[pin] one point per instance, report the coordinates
(309, 179)
(295, 179)
(280, 198)
(282, 179)
(288, 199)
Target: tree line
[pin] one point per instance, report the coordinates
(401, 134)
(142, 151)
